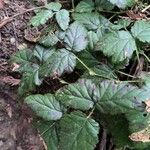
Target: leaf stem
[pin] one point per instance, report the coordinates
(142, 53)
(126, 74)
(91, 112)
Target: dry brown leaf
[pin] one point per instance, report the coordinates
(5, 21)
(10, 80)
(140, 137)
(147, 103)
(1, 4)
(15, 66)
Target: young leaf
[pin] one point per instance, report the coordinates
(48, 131)
(75, 37)
(119, 45)
(141, 30)
(122, 3)
(45, 106)
(60, 62)
(41, 53)
(85, 6)
(54, 6)
(63, 19)
(41, 17)
(49, 40)
(78, 132)
(80, 95)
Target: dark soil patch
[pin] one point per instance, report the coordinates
(16, 132)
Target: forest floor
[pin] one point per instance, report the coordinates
(16, 132)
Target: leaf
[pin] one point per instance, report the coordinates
(78, 132)
(119, 97)
(88, 59)
(63, 19)
(41, 17)
(93, 39)
(85, 6)
(48, 131)
(103, 5)
(54, 6)
(49, 40)
(22, 57)
(92, 21)
(60, 62)
(119, 45)
(141, 30)
(123, 3)
(80, 95)
(45, 106)
(75, 37)
(42, 53)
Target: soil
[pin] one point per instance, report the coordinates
(16, 131)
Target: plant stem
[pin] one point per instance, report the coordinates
(142, 53)
(73, 7)
(126, 74)
(91, 112)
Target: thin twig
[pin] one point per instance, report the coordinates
(145, 9)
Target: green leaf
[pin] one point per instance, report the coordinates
(119, 45)
(78, 132)
(85, 6)
(103, 5)
(119, 97)
(141, 30)
(45, 106)
(41, 17)
(22, 57)
(42, 53)
(123, 3)
(62, 61)
(54, 6)
(49, 40)
(63, 19)
(93, 39)
(92, 21)
(48, 131)
(75, 37)
(88, 59)
(80, 95)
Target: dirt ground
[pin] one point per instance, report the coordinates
(16, 132)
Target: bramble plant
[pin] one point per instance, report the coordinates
(81, 38)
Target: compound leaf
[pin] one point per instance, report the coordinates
(141, 30)
(63, 19)
(45, 106)
(78, 132)
(75, 37)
